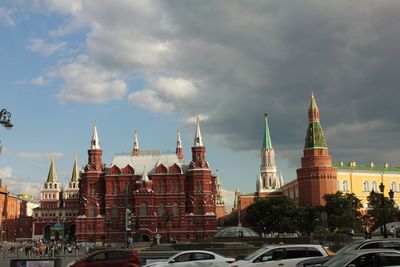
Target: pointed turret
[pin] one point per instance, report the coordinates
(315, 136)
(198, 140)
(135, 151)
(95, 143)
(267, 144)
(179, 149)
(75, 170)
(316, 177)
(267, 181)
(145, 177)
(52, 177)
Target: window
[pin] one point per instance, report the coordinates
(345, 186)
(92, 212)
(118, 255)
(113, 188)
(393, 187)
(366, 186)
(162, 187)
(175, 209)
(294, 253)
(389, 259)
(196, 188)
(313, 252)
(143, 209)
(161, 209)
(177, 187)
(182, 258)
(199, 209)
(99, 256)
(201, 256)
(375, 186)
(338, 185)
(114, 211)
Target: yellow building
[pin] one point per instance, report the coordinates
(362, 179)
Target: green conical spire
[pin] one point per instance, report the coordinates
(75, 170)
(52, 177)
(313, 104)
(267, 144)
(315, 136)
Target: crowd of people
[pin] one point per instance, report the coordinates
(40, 248)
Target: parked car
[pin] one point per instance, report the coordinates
(281, 255)
(109, 257)
(391, 243)
(194, 258)
(365, 258)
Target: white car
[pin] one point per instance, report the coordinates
(196, 258)
(281, 255)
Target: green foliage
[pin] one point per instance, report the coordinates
(343, 212)
(272, 215)
(375, 209)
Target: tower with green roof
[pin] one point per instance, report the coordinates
(317, 176)
(267, 181)
(50, 191)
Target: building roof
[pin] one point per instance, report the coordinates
(315, 136)
(267, 144)
(52, 176)
(146, 162)
(352, 166)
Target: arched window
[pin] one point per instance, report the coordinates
(375, 186)
(199, 209)
(92, 212)
(196, 189)
(161, 209)
(177, 187)
(175, 209)
(163, 187)
(338, 185)
(393, 187)
(143, 209)
(345, 186)
(114, 211)
(366, 186)
(113, 188)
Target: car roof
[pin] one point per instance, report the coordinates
(196, 251)
(365, 251)
(292, 245)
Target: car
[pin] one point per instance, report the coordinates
(365, 258)
(109, 257)
(194, 258)
(392, 243)
(281, 255)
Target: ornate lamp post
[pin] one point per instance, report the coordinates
(391, 195)
(5, 119)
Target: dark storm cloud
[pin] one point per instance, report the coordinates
(245, 58)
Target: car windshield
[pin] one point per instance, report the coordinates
(349, 247)
(254, 254)
(338, 260)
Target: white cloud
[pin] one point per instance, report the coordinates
(88, 83)
(6, 17)
(148, 99)
(229, 197)
(174, 87)
(40, 46)
(19, 186)
(6, 172)
(39, 81)
(36, 155)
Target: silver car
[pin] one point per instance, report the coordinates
(365, 258)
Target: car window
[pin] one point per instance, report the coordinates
(272, 255)
(182, 258)
(99, 256)
(389, 259)
(366, 260)
(202, 256)
(314, 252)
(370, 245)
(118, 255)
(391, 245)
(294, 253)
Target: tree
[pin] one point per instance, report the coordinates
(272, 215)
(375, 208)
(343, 211)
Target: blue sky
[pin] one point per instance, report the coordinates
(154, 65)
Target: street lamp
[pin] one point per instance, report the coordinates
(391, 195)
(5, 119)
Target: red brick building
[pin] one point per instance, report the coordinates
(145, 194)
(317, 176)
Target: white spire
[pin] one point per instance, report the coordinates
(136, 142)
(95, 139)
(282, 183)
(145, 178)
(198, 140)
(259, 183)
(179, 141)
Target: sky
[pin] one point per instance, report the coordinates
(154, 65)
